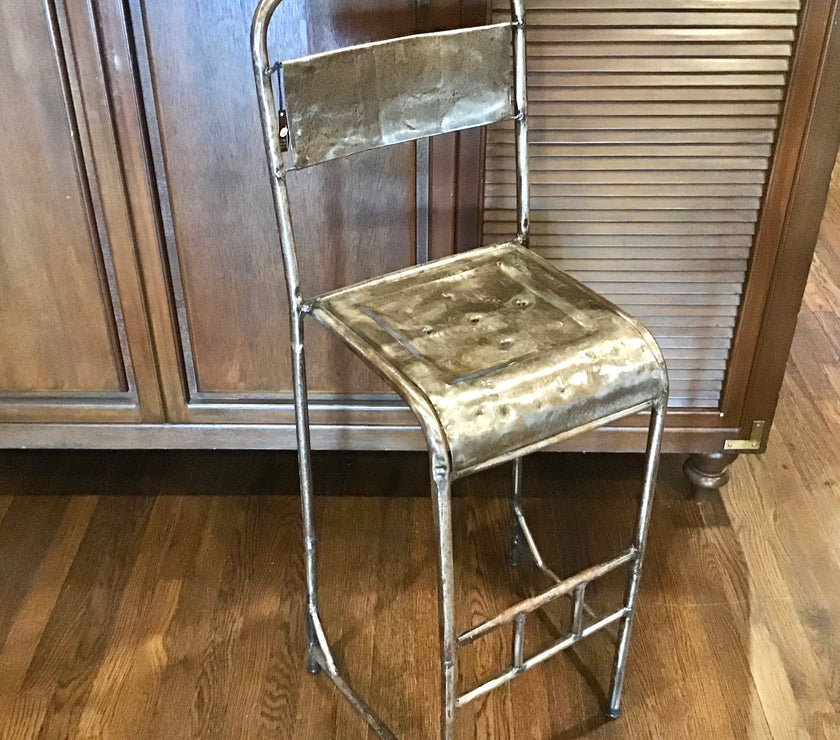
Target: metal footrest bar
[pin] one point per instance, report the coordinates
(539, 657)
(526, 606)
(577, 613)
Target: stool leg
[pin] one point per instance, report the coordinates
(515, 553)
(305, 473)
(651, 465)
(442, 501)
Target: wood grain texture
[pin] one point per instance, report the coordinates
(156, 595)
(56, 325)
(796, 190)
(76, 346)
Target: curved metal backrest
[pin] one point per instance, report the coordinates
(346, 101)
(361, 97)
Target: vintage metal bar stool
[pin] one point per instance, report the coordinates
(496, 351)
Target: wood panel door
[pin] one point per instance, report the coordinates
(225, 354)
(74, 344)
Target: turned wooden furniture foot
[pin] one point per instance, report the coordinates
(710, 470)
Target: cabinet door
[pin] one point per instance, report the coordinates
(353, 219)
(74, 341)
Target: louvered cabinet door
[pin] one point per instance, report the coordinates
(653, 126)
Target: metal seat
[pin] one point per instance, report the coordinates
(496, 351)
(509, 352)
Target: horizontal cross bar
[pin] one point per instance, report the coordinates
(540, 600)
(557, 647)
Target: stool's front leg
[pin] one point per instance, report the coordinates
(442, 502)
(515, 554)
(651, 466)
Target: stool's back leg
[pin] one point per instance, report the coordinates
(305, 473)
(442, 502)
(651, 465)
(515, 509)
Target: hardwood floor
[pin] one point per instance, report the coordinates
(159, 595)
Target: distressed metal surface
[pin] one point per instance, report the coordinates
(342, 102)
(507, 349)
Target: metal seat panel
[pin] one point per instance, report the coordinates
(508, 350)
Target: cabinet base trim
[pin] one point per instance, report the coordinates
(324, 437)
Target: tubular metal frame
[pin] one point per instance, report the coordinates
(319, 655)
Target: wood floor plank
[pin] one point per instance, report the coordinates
(269, 536)
(126, 683)
(26, 533)
(783, 590)
(24, 715)
(80, 627)
(197, 556)
(6, 501)
(778, 699)
(31, 618)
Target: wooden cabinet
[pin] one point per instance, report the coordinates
(142, 283)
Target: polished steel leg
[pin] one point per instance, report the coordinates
(305, 473)
(515, 554)
(442, 501)
(651, 466)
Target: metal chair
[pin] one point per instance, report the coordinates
(496, 351)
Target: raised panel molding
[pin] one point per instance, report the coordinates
(217, 233)
(67, 352)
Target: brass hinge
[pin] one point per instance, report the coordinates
(753, 443)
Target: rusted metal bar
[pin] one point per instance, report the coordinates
(520, 86)
(515, 553)
(359, 704)
(442, 500)
(546, 597)
(657, 422)
(532, 546)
